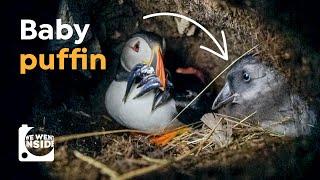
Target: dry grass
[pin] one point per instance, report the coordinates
(125, 155)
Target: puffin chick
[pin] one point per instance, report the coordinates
(252, 86)
(141, 95)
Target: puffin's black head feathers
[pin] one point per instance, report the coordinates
(151, 38)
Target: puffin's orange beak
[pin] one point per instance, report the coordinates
(160, 71)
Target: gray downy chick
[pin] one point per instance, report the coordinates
(253, 86)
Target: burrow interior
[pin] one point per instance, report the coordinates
(73, 101)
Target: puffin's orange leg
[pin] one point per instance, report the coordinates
(164, 139)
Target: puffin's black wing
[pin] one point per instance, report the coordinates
(196, 110)
(122, 74)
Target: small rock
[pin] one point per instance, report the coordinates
(116, 35)
(182, 25)
(191, 30)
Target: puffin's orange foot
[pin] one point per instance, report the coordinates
(164, 139)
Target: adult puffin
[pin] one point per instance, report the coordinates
(141, 95)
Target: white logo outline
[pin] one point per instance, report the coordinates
(23, 151)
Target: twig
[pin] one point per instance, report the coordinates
(65, 138)
(82, 114)
(237, 122)
(103, 168)
(244, 119)
(141, 171)
(286, 119)
(106, 117)
(226, 116)
(153, 160)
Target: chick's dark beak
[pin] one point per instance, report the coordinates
(160, 70)
(224, 97)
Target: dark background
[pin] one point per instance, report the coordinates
(20, 90)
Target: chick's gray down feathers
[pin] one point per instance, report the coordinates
(252, 86)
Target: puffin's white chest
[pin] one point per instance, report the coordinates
(136, 113)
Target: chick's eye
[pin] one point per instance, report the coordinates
(136, 46)
(246, 77)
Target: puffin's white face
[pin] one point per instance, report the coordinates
(135, 51)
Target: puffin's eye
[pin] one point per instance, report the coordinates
(246, 77)
(136, 46)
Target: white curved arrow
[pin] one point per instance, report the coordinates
(224, 53)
